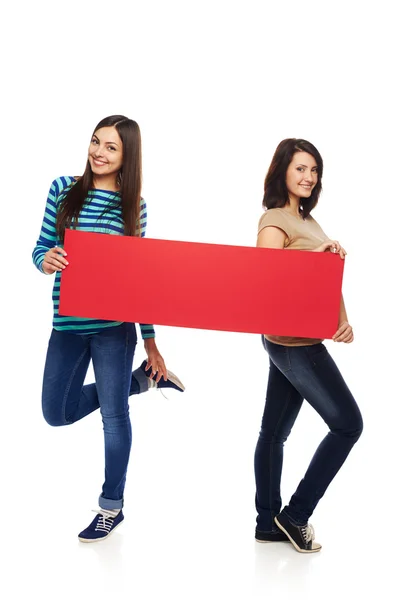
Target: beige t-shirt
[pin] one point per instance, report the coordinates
(301, 234)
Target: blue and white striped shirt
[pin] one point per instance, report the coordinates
(101, 213)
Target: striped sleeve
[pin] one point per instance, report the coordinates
(142, 220)
(48, 236)
(147, 331)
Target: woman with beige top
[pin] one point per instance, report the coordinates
(299, 368)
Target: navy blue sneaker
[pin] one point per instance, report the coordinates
(101, 527)
(271, 536)
(172, 381)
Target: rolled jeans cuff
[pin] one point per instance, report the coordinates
(109, 504)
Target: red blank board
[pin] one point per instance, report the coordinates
(205, 286)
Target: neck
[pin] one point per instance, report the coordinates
(106, 182)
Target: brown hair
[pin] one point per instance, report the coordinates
(276, 194)
(129, 177)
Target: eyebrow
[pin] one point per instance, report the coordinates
(314, 167)
(114, 143)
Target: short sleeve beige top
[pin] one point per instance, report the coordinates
(301, 234)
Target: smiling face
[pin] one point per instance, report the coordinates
(105, 152)
(301, 175)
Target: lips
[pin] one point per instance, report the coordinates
(98, 163)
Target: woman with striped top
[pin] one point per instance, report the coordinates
(106, 199)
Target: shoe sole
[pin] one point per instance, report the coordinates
(272, 541)
(85, 541)
(316, 547)
(172, 377)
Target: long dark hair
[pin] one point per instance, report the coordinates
(129, 177)
(276, 194)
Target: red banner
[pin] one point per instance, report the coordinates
(205, 286)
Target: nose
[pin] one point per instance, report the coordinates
(310, 176)
(98, 153)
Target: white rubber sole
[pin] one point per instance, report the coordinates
(85, 541)
(272, 541)
(172, 377)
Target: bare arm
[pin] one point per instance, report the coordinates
(345, 331)
(342, 313)
(271, 237)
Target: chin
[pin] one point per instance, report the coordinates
(98, 170)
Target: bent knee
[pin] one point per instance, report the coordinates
(54, 419)
(352, 429)
(360, 428)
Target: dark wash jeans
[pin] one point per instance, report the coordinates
(297, 373)
(65, 398)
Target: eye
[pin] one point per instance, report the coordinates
(301, 169)
(94, 141)
(112, 148)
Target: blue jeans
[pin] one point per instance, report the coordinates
(65, 398)
(297, 373)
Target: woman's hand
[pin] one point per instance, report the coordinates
(333, 246)
(155, 361)
(54, 260)
(344, 333)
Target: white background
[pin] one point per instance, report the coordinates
(214, 86)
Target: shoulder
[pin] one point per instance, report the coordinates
(61, 183)
(311, 219)
(313, 223)
(275, 217)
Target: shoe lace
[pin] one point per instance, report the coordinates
(106, 520)
(153, 384)
(307, 531)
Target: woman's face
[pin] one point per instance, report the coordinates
(105, 152)
(301, 175)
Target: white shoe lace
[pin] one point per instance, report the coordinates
(307, 531)
(106, 520)
(171, 377)
(153, 384)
